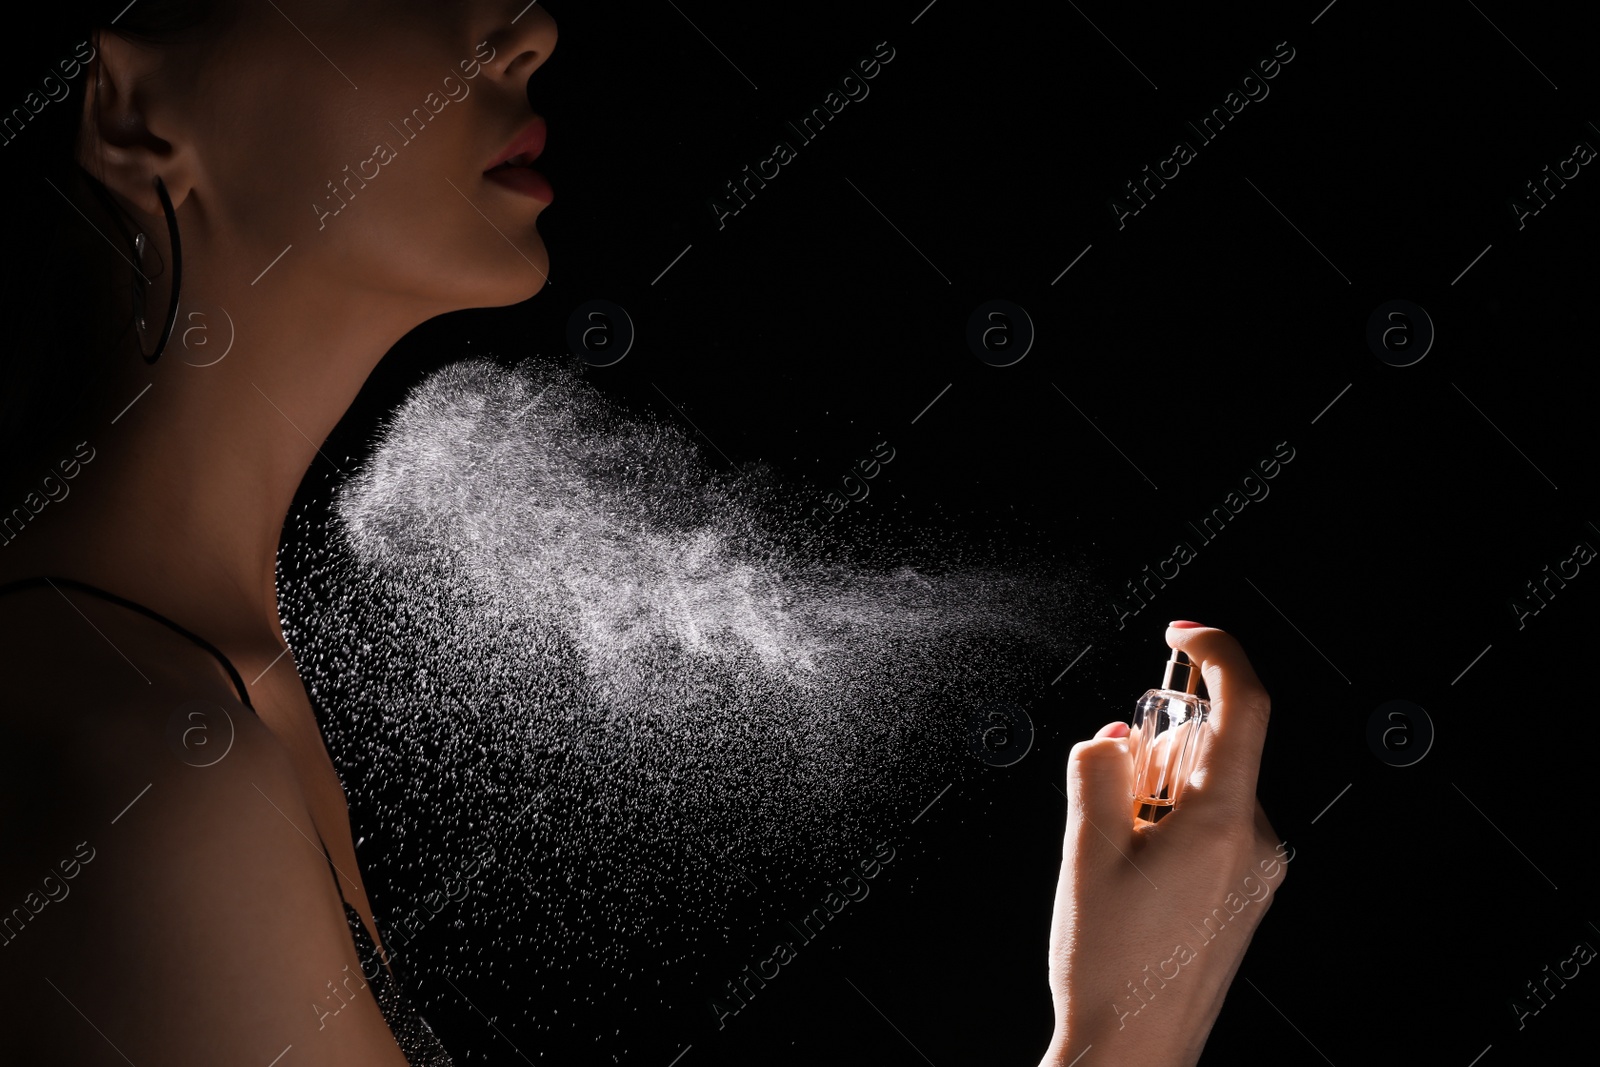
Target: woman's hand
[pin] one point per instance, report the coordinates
(1152, 919)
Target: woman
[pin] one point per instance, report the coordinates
(214, 890)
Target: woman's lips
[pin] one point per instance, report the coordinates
(524, 180)
(528, 143)
(511, 168)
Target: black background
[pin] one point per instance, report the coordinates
(1224, 318)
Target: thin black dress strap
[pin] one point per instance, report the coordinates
(331, 868)
(416, 1039)
(85, 587)
(238, 682)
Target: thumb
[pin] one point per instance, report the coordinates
(1099, 796)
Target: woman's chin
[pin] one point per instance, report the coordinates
(513, 286)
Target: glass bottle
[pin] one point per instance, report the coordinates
(1165, 737)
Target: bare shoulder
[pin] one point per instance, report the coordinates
(162, 895)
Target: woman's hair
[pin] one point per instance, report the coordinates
(66, 284)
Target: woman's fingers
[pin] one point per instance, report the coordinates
(1099, 780)
(1230, 760)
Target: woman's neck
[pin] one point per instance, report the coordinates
(194, 467)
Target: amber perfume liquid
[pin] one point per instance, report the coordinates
(1166, 733)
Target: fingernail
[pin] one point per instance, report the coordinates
(1115, 729)
(1185, 624)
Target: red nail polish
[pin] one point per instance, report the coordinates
(1185, 624)
(1117, 729)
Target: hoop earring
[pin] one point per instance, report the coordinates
(140, 244)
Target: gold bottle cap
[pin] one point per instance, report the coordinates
(1183, 673)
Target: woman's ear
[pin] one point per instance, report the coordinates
(126, 138)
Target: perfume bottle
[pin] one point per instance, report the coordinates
(1166, 734)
